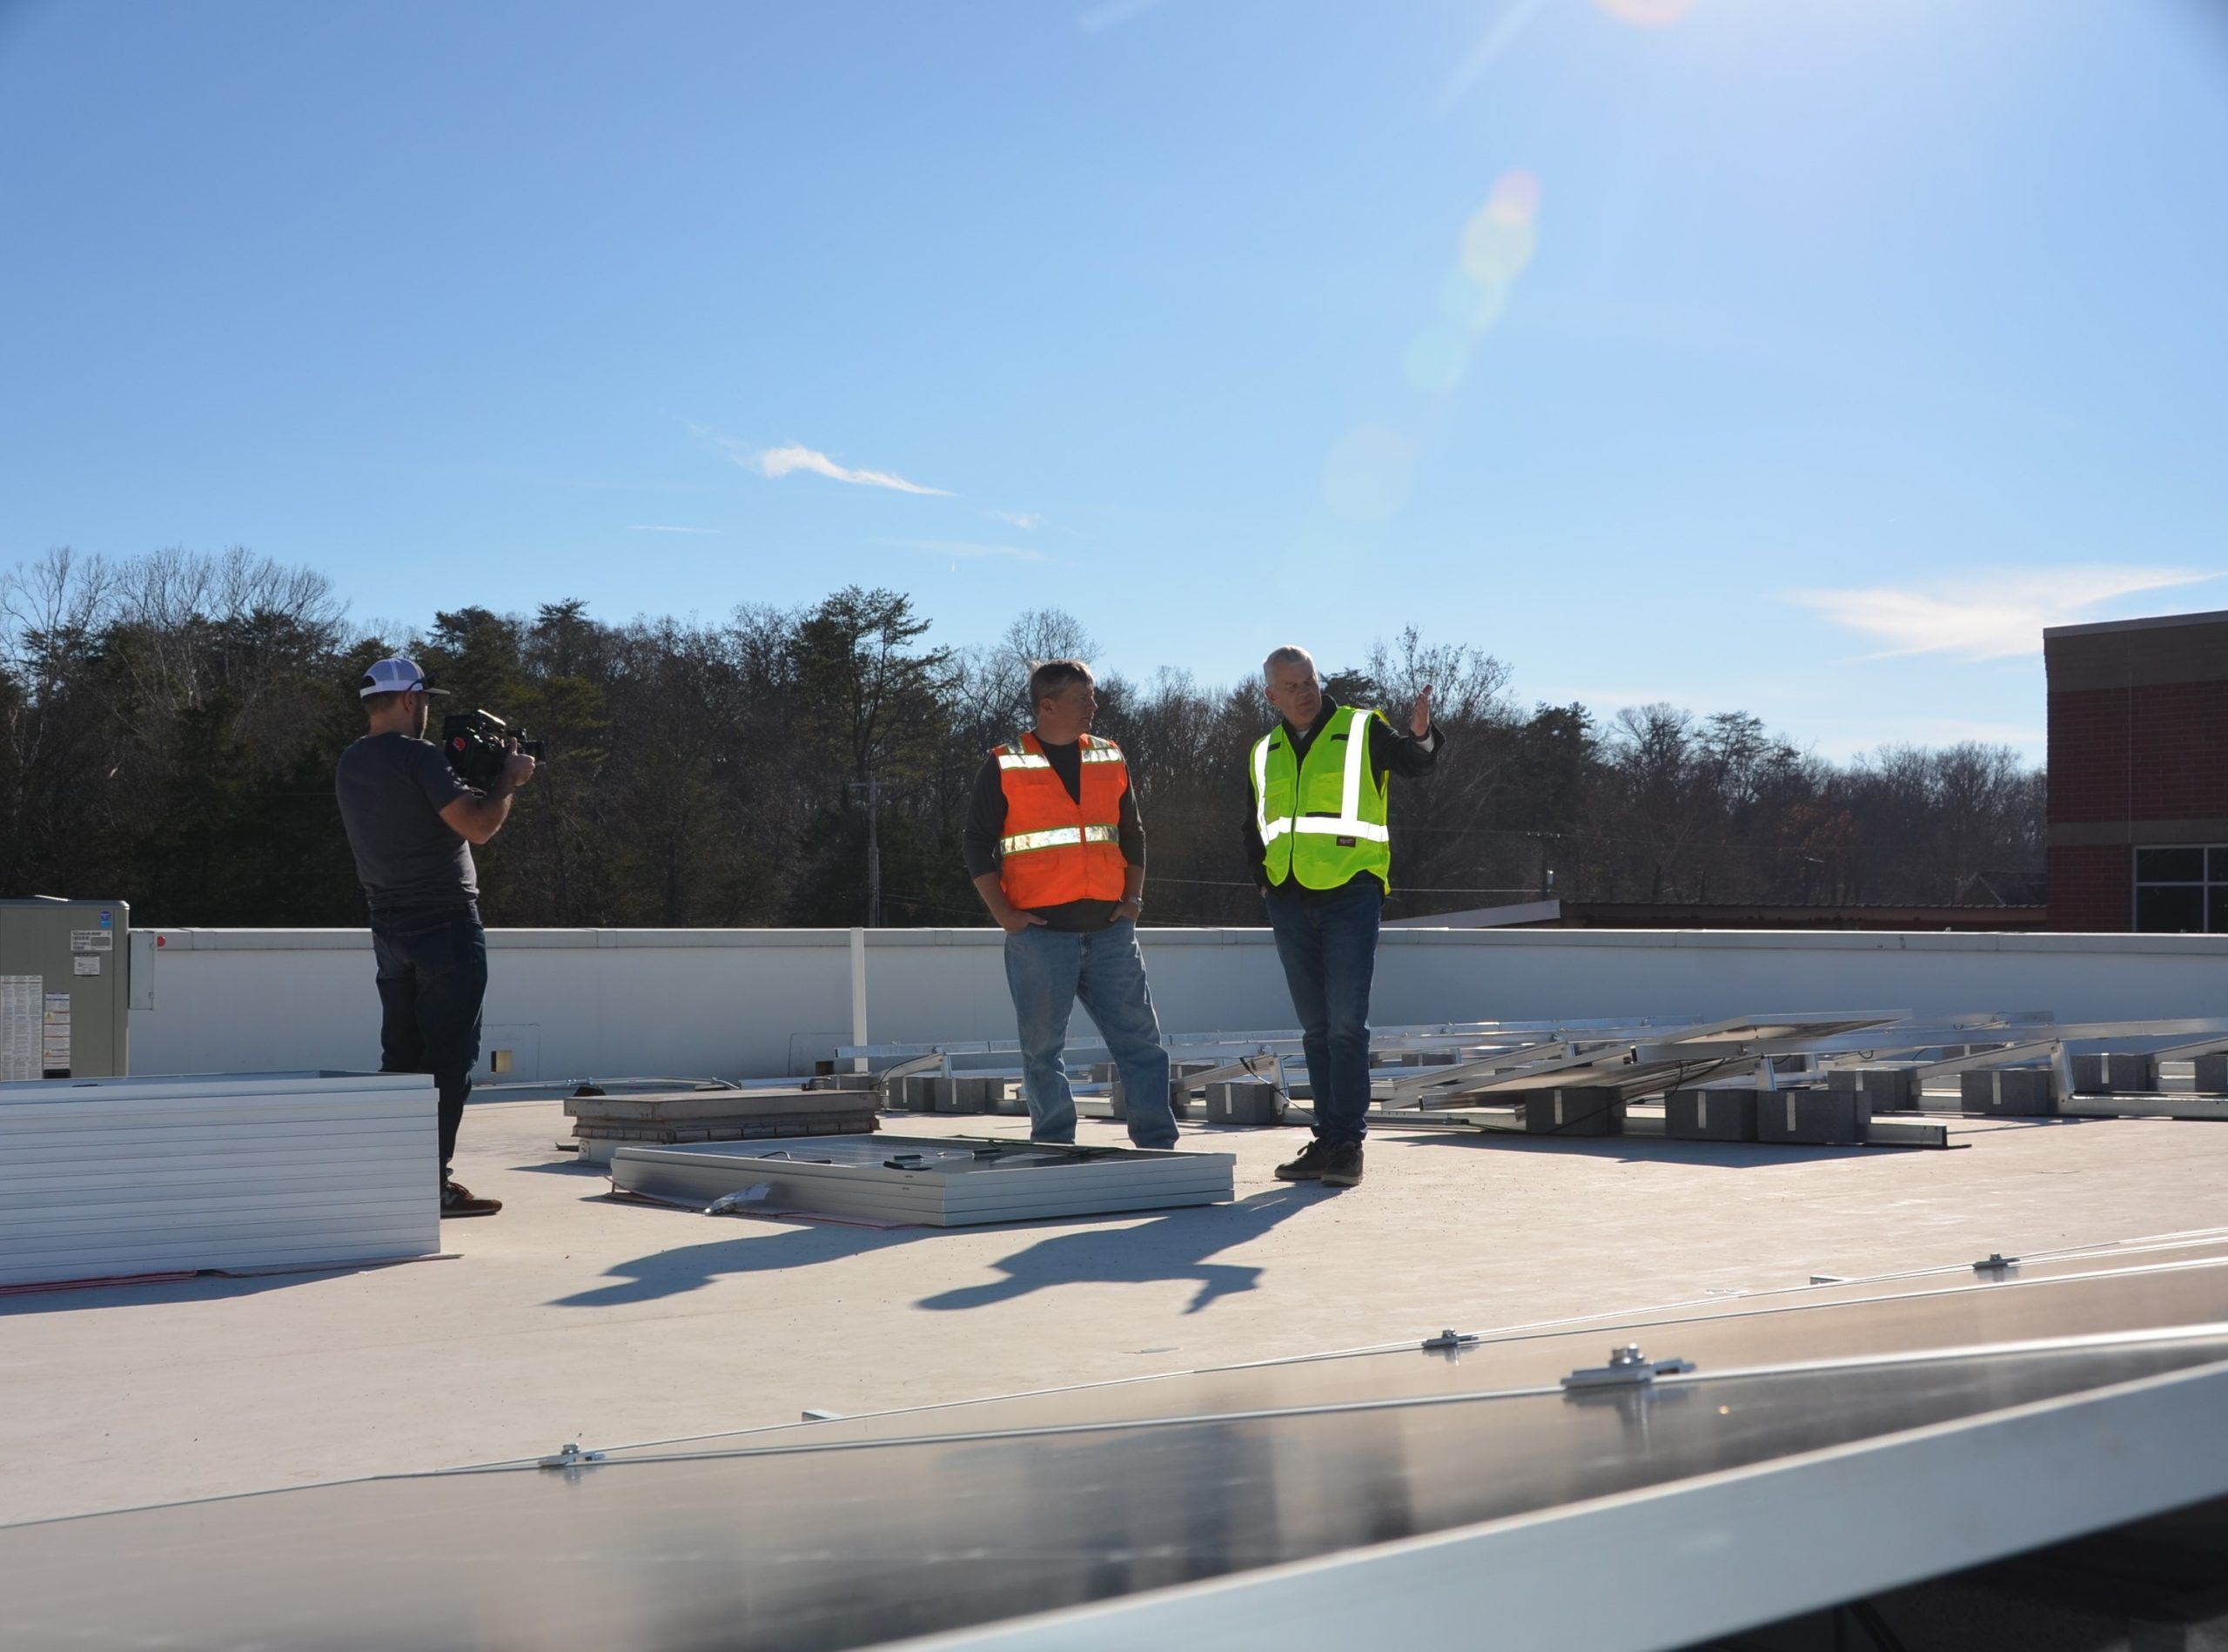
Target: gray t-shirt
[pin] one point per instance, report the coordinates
(393, 789)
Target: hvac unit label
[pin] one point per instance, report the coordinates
(56, 1042)
(92, 940)
(21, 1034)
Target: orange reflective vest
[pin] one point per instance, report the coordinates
(1056, 849)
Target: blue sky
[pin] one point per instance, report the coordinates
(1804, 357)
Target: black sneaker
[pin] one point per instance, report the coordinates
(1308, 1166)
(457, 1199)
(1342, 1166)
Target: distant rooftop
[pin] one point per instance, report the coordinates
(2158, 622)
(1732, 915)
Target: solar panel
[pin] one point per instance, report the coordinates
(933, 1181)
(1935, 1311)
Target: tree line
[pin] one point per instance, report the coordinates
(169, 725)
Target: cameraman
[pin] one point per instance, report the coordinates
(412, 823)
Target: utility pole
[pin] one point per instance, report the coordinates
(1546, 872)
(874, 851)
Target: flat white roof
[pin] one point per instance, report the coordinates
(570, 1317)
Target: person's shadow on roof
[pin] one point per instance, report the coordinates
(1175, 1246)
(691, 1267)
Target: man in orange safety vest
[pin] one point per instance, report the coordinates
(1054, 847)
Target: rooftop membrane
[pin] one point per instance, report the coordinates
(575, 1316)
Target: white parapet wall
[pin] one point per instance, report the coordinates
(572, 1004)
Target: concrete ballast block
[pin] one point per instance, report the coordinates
(1244, 1101)
(1814, 1118)
(1179, 1100)
(2009, 1092)
(1888, 1089)
(1582, 1110)
(962, 1095)
(1711, 1115)
(2116, 1072)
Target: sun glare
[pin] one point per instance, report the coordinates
(1647, 14)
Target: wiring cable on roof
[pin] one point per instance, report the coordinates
(1282, 1096)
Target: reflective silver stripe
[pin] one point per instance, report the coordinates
(1022, 843)
(1356, 749)
(1059, 837)
(1095, 754)
(1348, 822)
(1271, 829)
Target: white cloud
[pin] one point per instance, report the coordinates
(1986, 615)
(1839, 739)
(661, 527)
(968, 548)
(1018, 519)
(776, 462)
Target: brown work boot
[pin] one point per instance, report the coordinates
(457, 1199)
(1308, 1166)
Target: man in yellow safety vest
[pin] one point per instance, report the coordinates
(1321, 847)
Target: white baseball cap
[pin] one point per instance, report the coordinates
(395, 677)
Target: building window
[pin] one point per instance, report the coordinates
(2182, 889)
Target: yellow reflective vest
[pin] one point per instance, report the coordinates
(1322, 821)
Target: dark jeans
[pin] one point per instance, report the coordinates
(433, 973)
(1328, 942)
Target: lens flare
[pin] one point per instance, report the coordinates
(1647, 14)
(1471, 306)
(1435, 358)
(1495, 250)
(1515, 197)
(1370, 465)
(1368, 472)
(1501, 238)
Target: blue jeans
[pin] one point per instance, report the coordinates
(433, 973)
(1048, 970)
(1327, 943)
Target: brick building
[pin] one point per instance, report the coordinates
(2139, 774)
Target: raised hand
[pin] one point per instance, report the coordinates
(1419, 719)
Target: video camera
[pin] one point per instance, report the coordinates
(477, 744)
